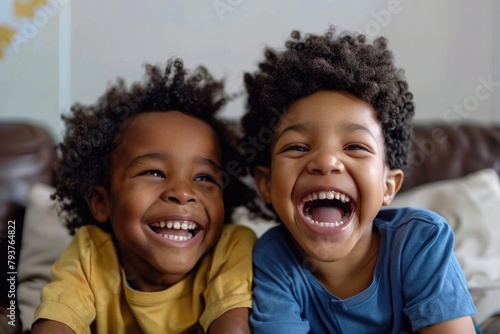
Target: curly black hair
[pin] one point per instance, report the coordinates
(333, 61)
(92, 131)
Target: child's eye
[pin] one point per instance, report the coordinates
(207, 178)
(356, 147)
(154, 172)
(297, 148)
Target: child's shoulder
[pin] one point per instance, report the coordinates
(236, 236)
(277, 241)
(91, 243)
(405, 214)
(92, 236)
(410, 219)
(238, 231)
(273, 234)
(233, 250)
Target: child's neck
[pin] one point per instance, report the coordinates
(348, 277)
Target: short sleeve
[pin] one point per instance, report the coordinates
(434, 284)
(275, 306)
(68, 298)
(230, 274)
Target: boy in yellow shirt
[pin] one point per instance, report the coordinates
(145, 183)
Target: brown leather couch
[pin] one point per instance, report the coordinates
(439, 152)
(442, 152)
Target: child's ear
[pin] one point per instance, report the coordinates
(262, 177)
(393, 182)
(98, 204)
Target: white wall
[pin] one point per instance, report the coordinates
(29, 69)
(448, 48)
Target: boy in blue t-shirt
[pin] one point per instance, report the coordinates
(327, 132)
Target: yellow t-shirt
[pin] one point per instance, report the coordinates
(89, 292)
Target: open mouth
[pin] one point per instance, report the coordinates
(327, 208)
(175, 230)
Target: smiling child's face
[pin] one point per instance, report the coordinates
(163, 197)
(328, 177)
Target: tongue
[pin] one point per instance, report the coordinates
(326, 214)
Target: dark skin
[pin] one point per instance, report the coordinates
(313, 152)
(127, 199)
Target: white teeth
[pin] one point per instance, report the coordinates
(330, 195)
(326, 224)
(327, 195)
(176, 237)
(176, 225)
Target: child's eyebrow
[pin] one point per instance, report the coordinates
(353, 127)
(346, 127)
(148, 157)
(208, 162)
(165, 157)
(298, 127)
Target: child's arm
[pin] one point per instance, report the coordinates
(234, 321)
(49, 326)
(462, 325)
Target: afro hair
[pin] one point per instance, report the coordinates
(333, 61)
(92, 131)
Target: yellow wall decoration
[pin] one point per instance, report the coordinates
(6, 37)
(21, 9)
(27, 8)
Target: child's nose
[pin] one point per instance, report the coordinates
(324, 163)
(179, 193)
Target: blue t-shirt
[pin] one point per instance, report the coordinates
(417, 282)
